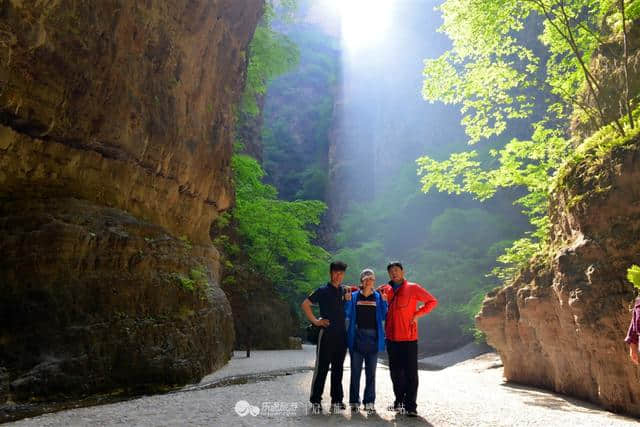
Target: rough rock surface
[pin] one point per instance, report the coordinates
(561, 323)
(262, 319)
(115, 144)
(607, 66)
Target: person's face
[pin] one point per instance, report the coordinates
(368, 282)
(337, 276)
(396, 274)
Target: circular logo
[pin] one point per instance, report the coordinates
(242, 407)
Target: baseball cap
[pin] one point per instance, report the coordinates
(367, 272)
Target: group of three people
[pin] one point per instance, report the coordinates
(364, 322)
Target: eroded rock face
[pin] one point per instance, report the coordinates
(150, 85)
(115, 145)
(561, 324)
(94, 298)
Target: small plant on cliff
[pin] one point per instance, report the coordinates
(633, 275)
(196, 281)
(186, 242)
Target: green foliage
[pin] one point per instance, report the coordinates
(186, 282)
(498, 75)
(276, 234)
(367, 255)
(528, 164)
(633, 10)
(493, 69)
(515, 257)
(187, 243)
(270, 54)
(450, 254)
(633, 275)
(456, 229)
(595, 148)
(196, 281)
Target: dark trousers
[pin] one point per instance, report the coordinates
(403, 366)
(331, 350)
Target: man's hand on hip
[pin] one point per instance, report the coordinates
(323, 323)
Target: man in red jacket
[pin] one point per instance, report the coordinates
(401, 332)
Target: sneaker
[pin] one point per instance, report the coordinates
(370, 407)
(316, 409)
(338, 406)
(412, 413)
(399, 408)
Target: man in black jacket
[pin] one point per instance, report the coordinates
(332, 340)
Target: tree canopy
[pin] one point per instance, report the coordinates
(270, 54)
(276, 235)
(531, 62)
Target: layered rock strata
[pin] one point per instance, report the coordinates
(115, 142)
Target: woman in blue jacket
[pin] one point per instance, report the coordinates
(365, 312)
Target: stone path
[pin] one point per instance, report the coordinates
(471, 393)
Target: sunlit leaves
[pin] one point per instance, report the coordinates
(490, 91)
(276, 233)
(633, 275)
(441, 81)
(516, 256)
(529, 164)
(493, 75)
(633, 9)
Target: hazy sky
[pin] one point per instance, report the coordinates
(382, 122)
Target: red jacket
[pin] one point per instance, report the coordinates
(402, 308)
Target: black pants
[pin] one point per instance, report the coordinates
(403, 366)
(331, 350)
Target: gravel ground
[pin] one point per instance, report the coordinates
(264, 361)
(470, 393)
(445, 360)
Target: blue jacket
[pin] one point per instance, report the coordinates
(350, 313)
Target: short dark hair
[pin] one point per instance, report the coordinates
(394, 264)
(337, 266)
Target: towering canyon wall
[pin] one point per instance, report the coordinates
(115, 145)
(562, 322)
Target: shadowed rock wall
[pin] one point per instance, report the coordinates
(115, 142)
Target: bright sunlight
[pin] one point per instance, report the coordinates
(363, 23)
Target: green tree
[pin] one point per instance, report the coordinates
(277, 234)
(499, 76)
(266, 241)
(270, 55)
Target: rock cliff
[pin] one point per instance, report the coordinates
(562, 322)
(115, 144)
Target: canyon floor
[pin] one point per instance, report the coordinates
(272, 388)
